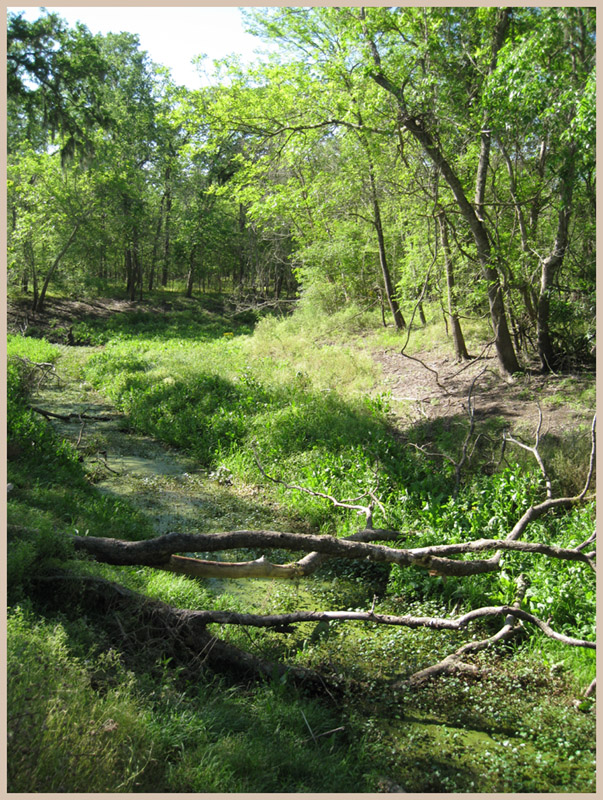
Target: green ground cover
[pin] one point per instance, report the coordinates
(88, 713)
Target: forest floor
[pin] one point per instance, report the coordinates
(174, 495)
(425, 385)
(431, 385)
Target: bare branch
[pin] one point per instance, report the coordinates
(458, 465)
(159, 552)
(47, 368)
(74, 416)
(591, 465)
(283, 622)
(453, 662)
(351, 504)
(535, 452)
(591, 688)
(429, 369)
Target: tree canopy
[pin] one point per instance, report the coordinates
(379, 155)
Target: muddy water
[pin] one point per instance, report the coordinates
(168, 486)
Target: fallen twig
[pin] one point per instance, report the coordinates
(74, 416)
(351, 504)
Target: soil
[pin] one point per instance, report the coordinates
(59, 314)
(430, 386)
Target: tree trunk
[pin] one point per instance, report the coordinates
(241, 247)
(138, 270)
(29, 254)
(55, 264)
(551, 265)
(156, 245)
(457, 333)
(128, 262)
(399, 320)
(414, 125)
(191, 273)
(166, 241)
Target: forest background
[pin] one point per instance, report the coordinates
(389, 185)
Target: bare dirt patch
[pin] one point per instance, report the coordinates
(430, 386)
(59, 314)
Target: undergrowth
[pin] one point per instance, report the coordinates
(88, 714)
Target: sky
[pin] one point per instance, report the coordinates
(172, 36)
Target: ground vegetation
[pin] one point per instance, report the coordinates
(301, 486)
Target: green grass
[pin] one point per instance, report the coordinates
(92, 725)
(202, 318)
(89, 713)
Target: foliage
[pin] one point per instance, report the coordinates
(319, 175)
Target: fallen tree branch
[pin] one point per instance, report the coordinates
(159, 552)
(285, 621)
(454, 662)
(535, 452)
(351, 504)
(591, 463)
(75, 415)
(157, 622)
(458, 465)
(47, 368)
(535, 512)
(261, 567)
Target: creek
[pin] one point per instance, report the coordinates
(176, 495)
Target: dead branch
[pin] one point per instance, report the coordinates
(168, 627)
(47, 368)
(284, 622)
(351, 504)
(453, 662)
(159, 552)
(76, 416)
(535, 452)
(197, 620)
(591, 688)
(458, 465)
(429, 369)
(591, 463)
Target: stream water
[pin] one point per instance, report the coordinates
(164, 483)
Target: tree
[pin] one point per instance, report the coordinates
(420, 109)
(54, 79)
(544, 85)
(49, 204)
(293, 117)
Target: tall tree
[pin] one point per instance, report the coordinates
(412, 64)
(54, 80)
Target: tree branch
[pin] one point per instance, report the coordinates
(74, 416)
(351, 504)
(159, 552)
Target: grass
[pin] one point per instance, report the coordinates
(105, 717)
(90, 724)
